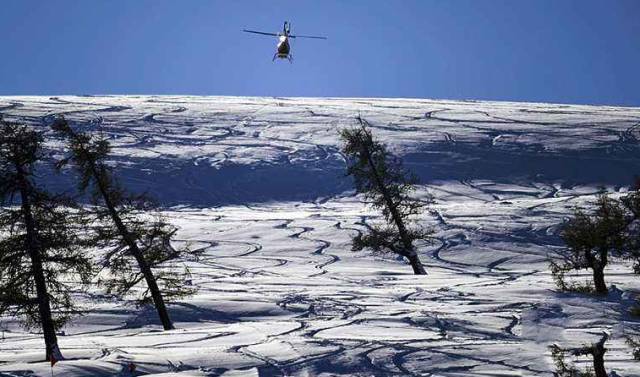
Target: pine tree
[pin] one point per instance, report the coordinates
(139, 249)
(631, 203)
(596, 350)
(41, 255)
(611, 231)
(387, 186)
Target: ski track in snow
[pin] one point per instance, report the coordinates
(257, 186)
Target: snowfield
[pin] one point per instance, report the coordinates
(258, 185)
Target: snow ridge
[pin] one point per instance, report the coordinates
(258, 186)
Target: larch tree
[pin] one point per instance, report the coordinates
(42, 259)
(139, 247)
(386, 185)
(596, 351)
(594, 239)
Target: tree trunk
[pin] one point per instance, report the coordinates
(150, 279)
(598, 280)
(44, 306)
(598, 358)
(418, 268)
(598, 365)
(414, 260)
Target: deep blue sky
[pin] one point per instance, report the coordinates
(543, 50)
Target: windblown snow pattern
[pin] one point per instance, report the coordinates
(258, 185)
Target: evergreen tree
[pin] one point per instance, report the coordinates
(139, 248)
(387, 186)
(40, 251)
(631, 204)
(596, 350)
(611, 231)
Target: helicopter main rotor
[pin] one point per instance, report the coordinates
(286, 31)
(283, 48)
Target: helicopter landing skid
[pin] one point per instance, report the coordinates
(289, 57)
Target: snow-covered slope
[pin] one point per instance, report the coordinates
(258, 184)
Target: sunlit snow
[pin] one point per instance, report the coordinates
(258, 185)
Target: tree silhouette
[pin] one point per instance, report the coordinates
(139, 248)
(387, 186)
(41, 255)
(611, 231)
(567, 369)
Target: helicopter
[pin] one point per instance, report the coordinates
(284, 48)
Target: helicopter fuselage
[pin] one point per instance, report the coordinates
(283, 47)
